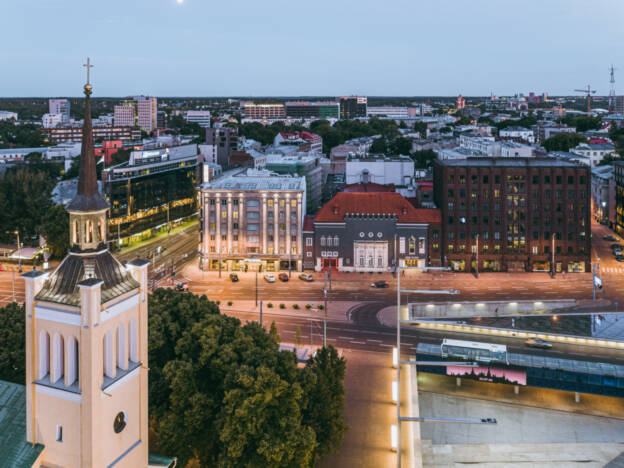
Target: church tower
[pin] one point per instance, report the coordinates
(86, 341)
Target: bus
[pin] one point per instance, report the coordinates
(474, 351)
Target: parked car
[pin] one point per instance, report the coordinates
(617, 246)
(306, 277)
(619, 258)
(617, 252)
(269, 278)
(538, 343)
(379, 284)
(283, 277)
(234, 277)
(181, 287)
(610, 238)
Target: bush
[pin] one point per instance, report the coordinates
(308, 306)
(282, 306)
(295, 306)
(321, 307)
(270, 305)
(218, 302)
(229, 303)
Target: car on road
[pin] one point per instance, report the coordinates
(619, 258)
(538, 343)
(617, 252)
(181, 287)
(616, 246)
(306, 277)
(610, 238)
(380, 284)
(269, 278)
(234, 277)
(283, 277)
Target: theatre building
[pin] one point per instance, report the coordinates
(371, 232)
(525, 214)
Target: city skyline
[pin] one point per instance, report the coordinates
(400, 49)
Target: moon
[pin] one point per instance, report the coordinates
(180, 2)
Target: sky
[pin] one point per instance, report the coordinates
(312, 48)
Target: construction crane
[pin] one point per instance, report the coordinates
(589, 92)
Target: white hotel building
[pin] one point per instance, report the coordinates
(252, 219)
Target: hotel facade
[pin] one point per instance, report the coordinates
(252, 220)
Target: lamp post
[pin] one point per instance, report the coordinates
(477, 258)
(552, 255)
(19, 251)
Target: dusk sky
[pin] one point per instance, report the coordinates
(328, 48)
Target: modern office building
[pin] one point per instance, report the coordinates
(514, 214)
(140, 111)
(305, 165)
(201, 118)
(63, 134)
(252, 220)
(388, 111)
(517, 133)
(618, 173)
(220, 142)
(353, 107)
(59, 106)
(380, 169)
(263, 111)
(603, 194)
(307, 109)
(152, 192)
(52, 120)
(371, 232)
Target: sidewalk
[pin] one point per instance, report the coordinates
(336, 311)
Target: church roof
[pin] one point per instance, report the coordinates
(62, 287)
(88, 197)
(16, 451)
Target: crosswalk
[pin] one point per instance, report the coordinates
(611, 270)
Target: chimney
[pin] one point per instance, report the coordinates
(336, 209)
(404, 209)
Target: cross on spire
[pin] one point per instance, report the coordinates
(88, 66)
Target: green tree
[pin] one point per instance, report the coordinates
(55, 230)
(563, 141)
(323, 383)
(379, 146)
(400, 145)
(12, 339)
(423, 158)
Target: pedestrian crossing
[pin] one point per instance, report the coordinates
(610, 270)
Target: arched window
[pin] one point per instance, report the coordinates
(322, 240)
(412, 245)
(122, 355)
(109, 362)
(72, 361)
(44, 354)
(335, 241)
(58, 358)
(134, 340)
(329, 241)
(75, 232)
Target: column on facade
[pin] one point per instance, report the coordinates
(206, 236)
(229, 223)
(264, 223)
(275, 224)
(299, 227)
(287, 216)
(242, 235)
(218, 216)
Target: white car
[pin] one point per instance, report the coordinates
(269, 278)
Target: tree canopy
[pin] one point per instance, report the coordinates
(12, 340)
(563, 141)
(222, 394)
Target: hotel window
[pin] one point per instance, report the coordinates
(270, 203)
(293, 203)
(235, 202)
(451, 248)
(435, 246)
(235, 215)
(294, 250)
(462, 179)
(308, 254)
(293, 238)
(308, 241)
(535, 249)
(322, 240)
(212, 238)
(235, 237)
(335, 241)
(223, 202)
(401, 245)
(212, 201)
(412, 245)
(451, 179)
(224, 214)
(496, 193)
(224, 237)
(281, 203)
(486, 248)
(497, 248)
(212, 250)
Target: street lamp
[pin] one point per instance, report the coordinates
(19, 251)
(477, 257)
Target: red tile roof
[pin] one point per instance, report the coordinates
(392, 203)
(370, 187)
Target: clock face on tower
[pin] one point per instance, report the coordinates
(120, 422)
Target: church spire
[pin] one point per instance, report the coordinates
(87, 198)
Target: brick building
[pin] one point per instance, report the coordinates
(362, 231)
(514, 215)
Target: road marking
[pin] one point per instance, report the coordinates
(386, 345)
(357, 342)
(377, 341)
(346, 338)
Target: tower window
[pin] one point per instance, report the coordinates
(59, 433)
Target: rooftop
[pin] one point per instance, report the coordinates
(252, 179)
(370, 187)
(374, 204)
(507, 162)
(16, 451)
